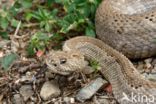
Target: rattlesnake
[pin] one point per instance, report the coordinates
(115, 67)
(128, 26)
(134, 39)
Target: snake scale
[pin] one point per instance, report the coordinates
(127, 30)
(128, 26)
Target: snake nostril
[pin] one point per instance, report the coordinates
(136, 87)
(54, 64)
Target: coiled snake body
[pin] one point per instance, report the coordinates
(126, 28)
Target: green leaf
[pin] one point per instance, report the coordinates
(90, 32)
(8, 60)
(30, 50)
(4, 23)
(94, 64)
(57, 37)
(4, 35)
(14, 22)
(47, 27)
(26, 3)
(28, 16)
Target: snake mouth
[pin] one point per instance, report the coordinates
(57, 70)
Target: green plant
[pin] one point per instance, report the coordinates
(38, 42)
(8, 16)
(79, 15)
(45, 18)
(7, 60)
(58, 17)
(95, 65)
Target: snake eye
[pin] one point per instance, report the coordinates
(63, 61)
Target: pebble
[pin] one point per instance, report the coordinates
(17, 99)
(90, 89)
(49, 90)
(103, 101)
(140, 67)
(26, 91)
(151, 77)
(149, 60)
(68, 100)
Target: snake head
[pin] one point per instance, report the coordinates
(65, 62)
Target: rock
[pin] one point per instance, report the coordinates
(103, 101)
(149, 60)
(17, 99)
(140, 67)
(68, 100)
(49, 90)
(151, 77)
(89, 90)
(26, 91)
(148, 63)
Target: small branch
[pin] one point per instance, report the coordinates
(17, 29)
(31, 25)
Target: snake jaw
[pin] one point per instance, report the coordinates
(65, 62)
(55, 69)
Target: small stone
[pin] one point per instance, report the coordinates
(149, 60)
(140, 67)
(17, 99)
(26, 91)
(151, 77)
(89, 90)
(49, 90)
(104, 101)
(72, 101)
(68, 100)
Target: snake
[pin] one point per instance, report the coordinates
(129, 26)
(125, 30)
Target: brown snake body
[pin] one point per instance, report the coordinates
(115, 67)
(128, 26)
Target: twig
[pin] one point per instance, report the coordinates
(31, 25)
(17, 29)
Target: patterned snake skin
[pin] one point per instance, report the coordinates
(126, 81)
(126, 26)
(129, 26)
